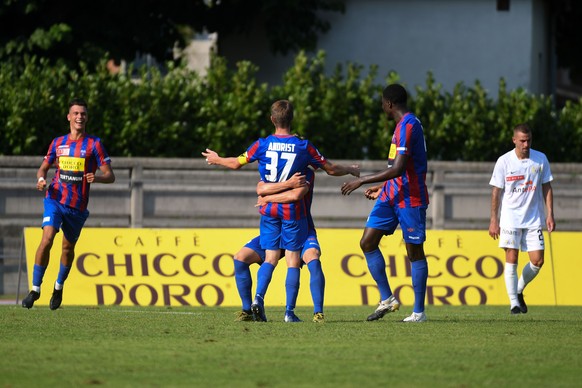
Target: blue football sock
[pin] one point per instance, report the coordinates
(292, 287)
(264, 276)
(377, 267)
(316, 285)
(419, 276)
(244, 283)
(37, 275)
(63, 274)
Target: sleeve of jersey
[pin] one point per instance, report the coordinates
(51, 154)
(547, 173)
(100, 153)
(250, 155)
(403, 136)
(317, 159)
(498, 177)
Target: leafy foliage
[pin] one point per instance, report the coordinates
(179, 113)
(69, 31)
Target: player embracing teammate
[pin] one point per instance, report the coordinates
(283, 226)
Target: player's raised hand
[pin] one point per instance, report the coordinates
(348, 187)
(211, 156)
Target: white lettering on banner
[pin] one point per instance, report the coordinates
(157, 241)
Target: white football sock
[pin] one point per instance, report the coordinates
(511, 283)
(528, 274)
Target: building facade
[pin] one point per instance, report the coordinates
(457, 40)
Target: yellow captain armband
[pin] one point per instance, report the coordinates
(392, 152)
(242, 159)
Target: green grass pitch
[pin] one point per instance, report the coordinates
(460, 346)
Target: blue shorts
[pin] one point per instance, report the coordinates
(60, 216)
(283, 234)
(311, 242)
(412, 221)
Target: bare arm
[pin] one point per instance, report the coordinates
(296, 181)
(106, 176)
(494, 222)
(288, 196)
(549, 199)
(41, 176)
(339, 169)
(214, 159)
(395, 171)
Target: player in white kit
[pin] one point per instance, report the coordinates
(521, 187)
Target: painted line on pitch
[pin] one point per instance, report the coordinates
(154, 312)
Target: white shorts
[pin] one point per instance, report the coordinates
(525, 239)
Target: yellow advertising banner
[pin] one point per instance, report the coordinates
(174, 267)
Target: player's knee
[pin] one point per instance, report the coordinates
(311, 255)
(248, 259)
(367, 245)
(47, 242)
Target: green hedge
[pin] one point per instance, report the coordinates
(179, 113)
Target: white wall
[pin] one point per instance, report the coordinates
(458, 40)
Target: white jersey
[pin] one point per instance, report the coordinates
(522, 203)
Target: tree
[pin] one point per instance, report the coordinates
(87, 31)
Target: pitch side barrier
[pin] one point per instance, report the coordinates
(194, 267)
(188, 193)
(151, 192)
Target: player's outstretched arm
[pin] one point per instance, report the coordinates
(396, 170)
(214, 159)
(340, 170)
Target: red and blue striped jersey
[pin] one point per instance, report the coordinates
(279, 157)
(409, 189)
(73, 159)
(307, 200)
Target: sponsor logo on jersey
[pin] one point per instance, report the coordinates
(63, 150)
(71, 169)
(525, 188)
(514, 178)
